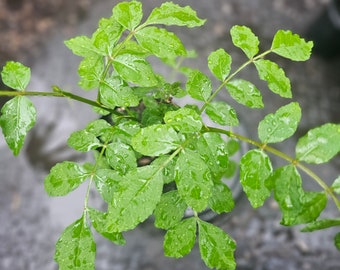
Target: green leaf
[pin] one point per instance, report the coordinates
(160, 42)
(336, 185)
(255, 168)
(179, 240)
(83, 141)
(245, 39)
(99, 220)
(168, 170)
(337, 241)
(199, 85)
(170, 210)
(64, 177)
(297, 206)
(135, 70)
(98, 127)
(222, 113)
(125, 131)
(321, 225)
(193, 180)
(155, 140)
(221, 200)
(184, 120)
(135, 199)
(275, 77)
(246, 93)
(172, 14)
(219, 63)
(291, 46)
(15, 75)
(128, 14)
(114, 93)
(18, 116)
(320, 144)
(282, 124)
(82, 46)
(90, 71)
(216, 247)
(76, 249)
(107, 182)
(121, 157)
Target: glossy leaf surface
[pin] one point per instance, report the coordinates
(83, 141)
(222, 113)
(16, 75)
(219, 63)
(221, 200)
(121, 157)
(321, 224)
(184, 120)
(199, 85)
(245, 39)
(128, 14)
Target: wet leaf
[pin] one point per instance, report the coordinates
(128, 14)
(245, 93)
(82, 46)
(18, 116)
(219, 63)
(199, 85)
(221, 200)
(321, 225)
(172, 14)
(168, 170)
(245, 39)
(275, 77)
(282, 124)
(76, 249)
(291, 46)
(216, 247)
(320, 144)
(179, 240)
(90, 71)
(155, 140)
(15, 75)
(336, 185)
(83, 141)
(193, 180)
(64, 177)
(222, 113)
(255, 168)
(184, 120)
(107, 182)
(170, 210)
(121, 157)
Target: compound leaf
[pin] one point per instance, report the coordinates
(15, 75)
(216, 247)
(275, 77)
(246, 93)
(222, 113)
(128, 14)
(76, 249)
(255, 168)
(199, 85)
(320, 144)
(180, 239)
(172, 14)
(245, 39)
(291, 46)
(184, 120)
(219, 63)
(280, 125)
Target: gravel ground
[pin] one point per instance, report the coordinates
(31, 222)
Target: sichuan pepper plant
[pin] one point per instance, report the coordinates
(154, 157)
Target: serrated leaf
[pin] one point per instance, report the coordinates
(83, 141)
(64, 177)
(219, 63)
(297, 206)
(172, 14)
(135, 70)
(160, 42)
(170, 210)
(255, 168)
(121, 157)
(114, 93)
(107, 182)
(278, 126)
(184, 120)
(128, 14)
(98, 221)
(336, 185)
(15, 75)
(221, 200)
(275, 77)
(135, 199)
(82, 46)
(320, 144)
(76, 249)
(337, 241)
(18, 116)
(90, 71)
(179, 240)
(155, 140)
(193, 180)
(245, 39)
(321, 225)
(198, 85)
(291, 46)
(222, 113)
(246, 93)
(216, 247)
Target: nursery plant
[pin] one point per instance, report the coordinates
(152, 157)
